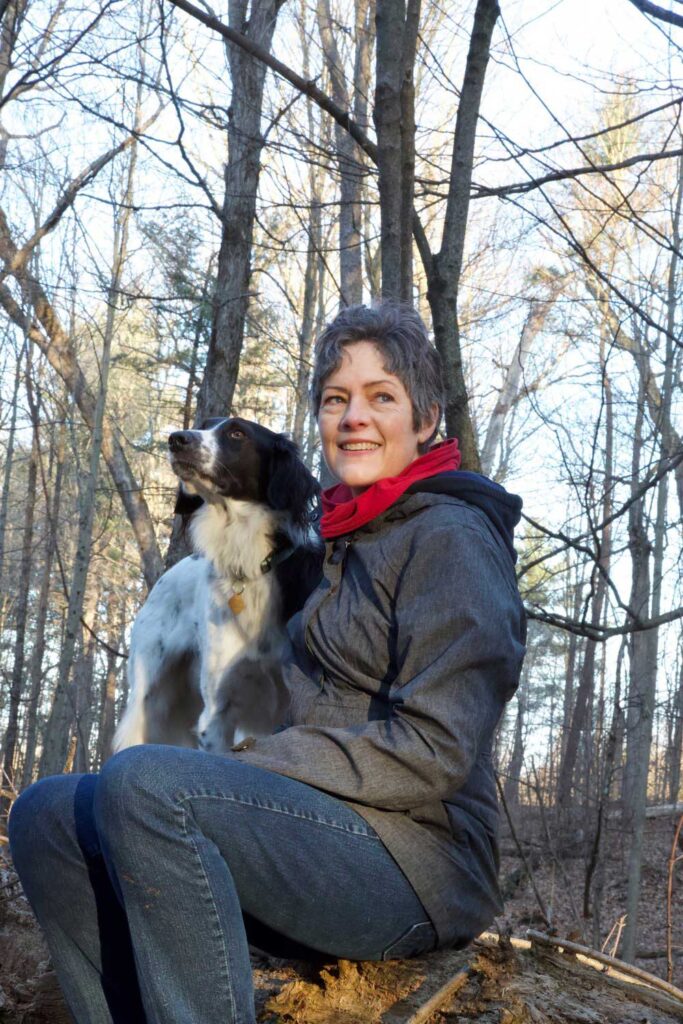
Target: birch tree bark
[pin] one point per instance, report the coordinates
(539, 308)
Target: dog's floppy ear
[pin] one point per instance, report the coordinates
(291, 486)
(186, 504)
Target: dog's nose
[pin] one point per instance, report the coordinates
(180, 439)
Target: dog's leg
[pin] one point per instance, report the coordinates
(251, 700)
(132, 730)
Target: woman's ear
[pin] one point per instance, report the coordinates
(429, 426)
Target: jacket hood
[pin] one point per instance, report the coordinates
(503, 509)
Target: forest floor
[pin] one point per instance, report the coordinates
(495, 984)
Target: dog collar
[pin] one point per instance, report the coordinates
(276, 558)
(236, 601)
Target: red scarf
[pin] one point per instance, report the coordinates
(343, 513)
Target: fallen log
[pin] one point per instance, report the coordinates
(515, 980)
(609, 961)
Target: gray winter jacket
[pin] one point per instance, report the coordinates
(403, 659)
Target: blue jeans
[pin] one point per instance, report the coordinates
(150, 879)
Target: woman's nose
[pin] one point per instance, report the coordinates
(356, 413)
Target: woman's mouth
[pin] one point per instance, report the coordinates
(359, 446)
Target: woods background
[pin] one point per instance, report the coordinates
(189, 193)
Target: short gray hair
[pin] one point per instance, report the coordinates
(399, 333)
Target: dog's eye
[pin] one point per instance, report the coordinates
(236, 433)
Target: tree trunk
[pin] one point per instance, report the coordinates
(310, 296)
(444, 268)
(573, 654)
(644, 645)
(35, 673)
(23, 590)
(539, 308)
(11, 25)
(116, 633)
(584, 693)
(350, 161)
(84, 669)
(595, 874)
(676, 748)
(671, 439)
(242, 171)
(6, 482)
(514, 771)
(194, 358)
(397, 24)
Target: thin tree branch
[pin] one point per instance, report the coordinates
(482, 191)
(645, 7)
(601, 633)
(308, 88)
(68, 197)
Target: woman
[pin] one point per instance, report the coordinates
(365, 828)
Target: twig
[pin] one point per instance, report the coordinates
(453, 985)
(618, 965)
(673, 860)
(525, 862)
(619, 925)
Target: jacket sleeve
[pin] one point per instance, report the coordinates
(459, 633)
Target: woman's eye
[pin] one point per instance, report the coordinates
(384, 396)
(333, 400)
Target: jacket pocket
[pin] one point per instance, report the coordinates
(419, 938)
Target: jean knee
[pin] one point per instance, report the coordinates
(130, 782)
(38, 816)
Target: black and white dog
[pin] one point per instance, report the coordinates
(207, 646)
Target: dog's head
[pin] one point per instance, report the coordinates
(235, 458)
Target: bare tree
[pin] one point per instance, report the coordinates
(256, 22)
(350, 160)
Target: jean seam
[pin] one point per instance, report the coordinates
(217, 919)
(409, 932)
(279, 810)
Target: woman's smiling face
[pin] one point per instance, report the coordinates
(366, 420)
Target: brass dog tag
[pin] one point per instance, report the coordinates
(236, 603)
